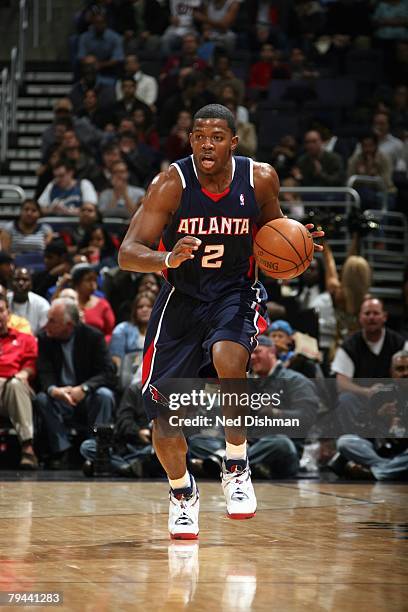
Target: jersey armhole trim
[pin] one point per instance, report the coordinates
(179, 170)
(251, 172)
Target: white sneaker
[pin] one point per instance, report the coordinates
(239, 492)
(183, 515)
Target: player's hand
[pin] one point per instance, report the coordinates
(183, 250)
(319, 234)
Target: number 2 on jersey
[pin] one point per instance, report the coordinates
(212, 255)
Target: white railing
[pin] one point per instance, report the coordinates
(4, 121)
(375, 182)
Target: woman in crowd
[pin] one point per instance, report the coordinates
(26, 234)
(99, 247)
(97, 310)
(89, 215)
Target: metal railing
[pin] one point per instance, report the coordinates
(4, 121)
(11, 199)
(22, 40)
(375, 182)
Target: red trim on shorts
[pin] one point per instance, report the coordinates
(147, 362)
(215, 197)
(262, 324)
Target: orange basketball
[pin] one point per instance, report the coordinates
(283, 248)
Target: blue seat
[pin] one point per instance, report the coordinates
(34, 262)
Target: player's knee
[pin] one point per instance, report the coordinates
(230, 359)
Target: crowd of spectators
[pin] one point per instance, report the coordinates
(141, 71)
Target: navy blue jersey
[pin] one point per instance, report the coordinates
(224, 223)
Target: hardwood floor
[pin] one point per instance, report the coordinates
(312, 546)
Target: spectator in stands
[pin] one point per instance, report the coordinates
(335, 144)
(229, 96)
(89, 215)
(25, 303)
(105, 44)
(140, 160)
(92, 110)
(312, 284)
(76, 376)
(224, 76)
(56, 264)
(128, 101)
(145, 130)
(262, 72)
(364, 460)
(99, 247)
(123, 199)
(399, 114)
(366, 355)
(177, 143)
(300, 67)
(19, 323)
(45, 170)
(65, 195)
(292, 203)
(26, 234)
(146, 86)
(182, 17)
(74, 152)
(188, 98)
(271, 455)
(129, 336)
(219, 16)
(149, 282)
(145, 23)
(110, 155)
(316, 167)
(6, 268)
(187, 57)
(390, 146)
(371, 162)
(17, 367)
(91, 80)
(281, 333)
(283, 156)
(97, 311)
(246, 132)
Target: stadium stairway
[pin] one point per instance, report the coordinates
(45, 83)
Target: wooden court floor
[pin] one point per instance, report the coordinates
(312, 546)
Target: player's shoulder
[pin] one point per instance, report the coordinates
(264, 171)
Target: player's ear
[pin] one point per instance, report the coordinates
(234, 143)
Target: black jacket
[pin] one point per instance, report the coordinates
(92, 363)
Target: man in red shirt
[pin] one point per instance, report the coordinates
(18, 354)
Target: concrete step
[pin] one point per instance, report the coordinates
(23, 181)
(46, 90)
(35, 115)
(32, 128)
(24, 154)
(23, 166)
(40, 102)
(48, 77)
(26, 141)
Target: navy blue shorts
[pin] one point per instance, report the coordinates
(182, 331)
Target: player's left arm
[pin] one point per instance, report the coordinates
(267, 186)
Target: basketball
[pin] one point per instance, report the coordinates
(283, 248)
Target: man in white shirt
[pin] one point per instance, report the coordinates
(24, 303)
(147, 87)
(65, 195)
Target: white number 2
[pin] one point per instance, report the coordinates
(214, 251)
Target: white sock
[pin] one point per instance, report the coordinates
(236, 451)
(181, 483)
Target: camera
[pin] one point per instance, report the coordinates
(104, 442)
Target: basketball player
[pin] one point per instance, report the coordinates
(204, 208)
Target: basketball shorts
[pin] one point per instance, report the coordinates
(182, 331)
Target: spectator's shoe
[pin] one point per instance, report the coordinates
(238, 490)
(183, 512)
(358, 472)
(28, 461)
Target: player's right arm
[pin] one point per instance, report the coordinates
(160, 203)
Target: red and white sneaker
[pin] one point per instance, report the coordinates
(238, 490)
(183, 513)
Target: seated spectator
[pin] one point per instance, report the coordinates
(262, 72)
(177, 143)
(44, 171)
(246, 132)
(388, 145)
(128, 103)
(139, 159)
(123, 199)
(300, 67)
(283, 156)
(399, 114)
(281, 333)
(219, 17)
(229, 95)
(110, 155)
(333, 143)
(272, 455)
(129, 336)
(6, 268)
(364, 457)
(187, 57)
(76, 377)
(91, 80)
(97, 310)
(25, 303)
(311, 284)
(145, 131)
(224, 76)
(182, 22)
(17, 367)
(105, 44)
(146, 86)
(65, 194)
(56, 263)
(18, 323)
(91, 109)
(149, 282)
(83, 163)
(371, 162)
(189, 98)
(365, 355)
(89, 215)
(292, 203)
(26, 234)
(99, 248)
(316, 167)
